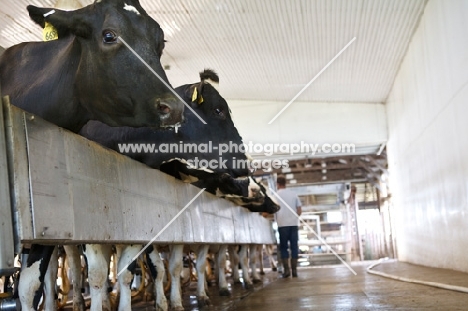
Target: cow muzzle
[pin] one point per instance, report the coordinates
(170, 112)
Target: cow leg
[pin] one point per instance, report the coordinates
(106, 289)
(97, 275)
(32, 276)
(202, 297)
(74, 262)
(234, 258)
(269, 252)
(157, 269)
(253, 263)
(221, 263)
(175, 268)
(50, 301)
(125, 277)
(244, 262)
(118, 254)
(260, 258)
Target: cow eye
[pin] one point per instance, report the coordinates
(219, 112)
(109, 36)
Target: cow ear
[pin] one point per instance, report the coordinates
(75, 22)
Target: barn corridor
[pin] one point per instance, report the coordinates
(333, 288)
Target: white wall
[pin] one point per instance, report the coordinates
(428, 146)
(362, 124)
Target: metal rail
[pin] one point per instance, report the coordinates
(6, 218)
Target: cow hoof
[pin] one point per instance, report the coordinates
(249, 286)
(224, 292)
(178, 308)
(203, 301)
(262, 273)
(79, 308)
(274, 269)
(159, 308)
(148, 297)
(257, 281)
(161, 305)
(106, 304)
(79, 304)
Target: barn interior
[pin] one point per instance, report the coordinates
(363, 99)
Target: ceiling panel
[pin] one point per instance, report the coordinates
(269, 50)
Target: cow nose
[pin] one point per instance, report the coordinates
(170, 111)
(163, 108)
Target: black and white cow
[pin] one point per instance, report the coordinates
(88, 73)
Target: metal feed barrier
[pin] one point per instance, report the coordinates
(59, 188)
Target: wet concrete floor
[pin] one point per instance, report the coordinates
(336, 288)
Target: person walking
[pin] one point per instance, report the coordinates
(288, 226)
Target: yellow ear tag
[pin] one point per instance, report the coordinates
(195, 94)
(49, 32)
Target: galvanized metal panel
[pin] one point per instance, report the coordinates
(49, 180)
(6, 218)
(83, 192)
(255, 234)
(224, 221)
(241, 226)
(182, 229)
(18, 167)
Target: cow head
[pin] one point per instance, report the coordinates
(112, 83)
(227, 154)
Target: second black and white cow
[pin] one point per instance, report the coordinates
(208, 155)
(191, 152)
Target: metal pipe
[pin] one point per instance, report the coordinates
(409, 280)
(8, 304)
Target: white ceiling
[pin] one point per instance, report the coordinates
(269, 50)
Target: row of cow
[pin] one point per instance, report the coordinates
(88, 81)
(244, 255)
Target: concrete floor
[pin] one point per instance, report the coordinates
(336, 288)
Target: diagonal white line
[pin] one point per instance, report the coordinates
(49, 13)
(161, 231)
(313, 231)
(311, 81)
(162, 80)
